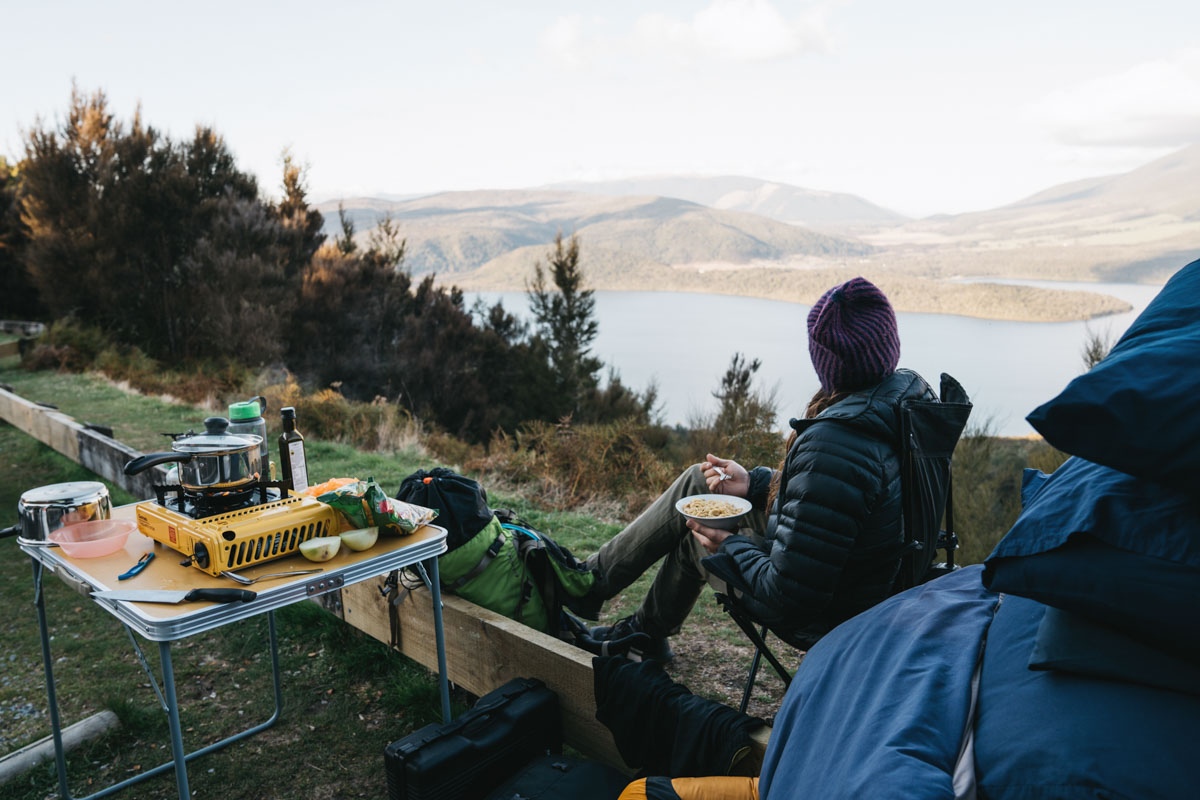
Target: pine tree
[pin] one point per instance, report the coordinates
(18, 298)
(345, 242)
(565, 317)
(385, 243)
(303, 222)
(742, 408)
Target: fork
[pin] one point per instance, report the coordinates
(242, 579)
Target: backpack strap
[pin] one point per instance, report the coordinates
(488, 558)
(531, 550)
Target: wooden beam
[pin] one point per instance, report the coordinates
(101, 454)
(485, 650)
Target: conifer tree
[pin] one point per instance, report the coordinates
(18, 298)
(565, 316)
(345, 243)
(303, 222)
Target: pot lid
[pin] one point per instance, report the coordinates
(215, 438)
(72, 493)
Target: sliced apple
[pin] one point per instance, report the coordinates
(321, 548)
(361, 538)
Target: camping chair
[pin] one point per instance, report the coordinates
(929, 431)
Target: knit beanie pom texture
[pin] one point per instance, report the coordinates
(852, 336)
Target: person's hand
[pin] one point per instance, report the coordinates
(737, 483)
(709, 538)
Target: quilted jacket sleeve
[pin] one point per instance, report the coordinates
(760, 486)
(832, 484)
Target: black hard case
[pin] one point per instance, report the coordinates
(563, 778)
(469, 757)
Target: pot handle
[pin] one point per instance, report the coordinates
(143, 463)
(16, 529)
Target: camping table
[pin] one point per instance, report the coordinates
(165, 623)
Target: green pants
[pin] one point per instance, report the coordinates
(659, 533)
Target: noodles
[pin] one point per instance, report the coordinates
(711, 508)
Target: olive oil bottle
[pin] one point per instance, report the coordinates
(291, 453)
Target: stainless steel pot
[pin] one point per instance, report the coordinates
(43, 510)
(213, 461)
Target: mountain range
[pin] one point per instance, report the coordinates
(780, 201)
(738, 235)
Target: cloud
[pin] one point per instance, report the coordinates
(725, 30)
(564, 41)
(1154, 104)
(732, 30)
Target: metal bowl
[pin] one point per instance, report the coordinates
(43, 510)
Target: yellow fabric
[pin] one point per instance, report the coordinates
(714, 788)
(634, 791)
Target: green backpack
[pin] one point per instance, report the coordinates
(503, 564)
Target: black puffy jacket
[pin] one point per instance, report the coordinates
(834, 536)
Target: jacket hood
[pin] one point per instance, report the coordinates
(875, 410)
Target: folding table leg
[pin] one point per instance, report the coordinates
(170, 705)
(439, 633)
(180, 761)
(60, 760)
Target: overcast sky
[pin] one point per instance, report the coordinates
(923, 106)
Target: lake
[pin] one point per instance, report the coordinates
(684, 342)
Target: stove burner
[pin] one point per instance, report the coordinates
(199, 505)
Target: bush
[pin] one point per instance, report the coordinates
(68, 345)
(328, 415)
(571, 465)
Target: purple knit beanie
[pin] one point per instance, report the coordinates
(852, 336)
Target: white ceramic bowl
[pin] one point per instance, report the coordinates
(728, 523)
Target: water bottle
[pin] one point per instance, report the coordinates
(247, 417)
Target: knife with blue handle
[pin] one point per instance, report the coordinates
(165, 596)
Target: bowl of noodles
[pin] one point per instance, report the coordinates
(714, 510)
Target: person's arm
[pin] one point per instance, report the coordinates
(760, 487)
(824, 505)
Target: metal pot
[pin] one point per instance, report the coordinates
(213, 461)
(43, 510)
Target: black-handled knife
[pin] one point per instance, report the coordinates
(165, 596)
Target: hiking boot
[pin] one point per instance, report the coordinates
(630, 635)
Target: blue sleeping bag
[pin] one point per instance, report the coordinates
(879, 706)
(879, 709)
(1052, 734)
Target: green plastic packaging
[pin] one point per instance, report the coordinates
(365, 505)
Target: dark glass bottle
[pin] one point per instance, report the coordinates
(291, 453)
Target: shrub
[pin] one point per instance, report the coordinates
(67, 344)
(571, 465)
(328, 415)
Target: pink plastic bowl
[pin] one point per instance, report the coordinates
(94, 538)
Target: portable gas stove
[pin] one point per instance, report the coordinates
(233, 530)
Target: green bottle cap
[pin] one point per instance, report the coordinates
(246, 410)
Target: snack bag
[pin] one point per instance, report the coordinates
(364, 505)
(327, 486)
